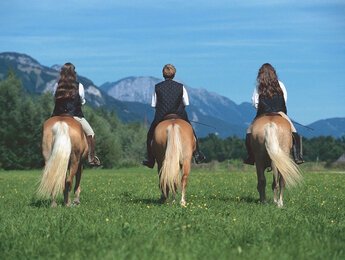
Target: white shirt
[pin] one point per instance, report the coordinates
(81, 92)
(184, 97)
(255, 97)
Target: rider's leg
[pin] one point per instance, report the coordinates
(198, 155)
(90, 135)
(151, 160)
(297, 141)
(250, 159)
(297, 148)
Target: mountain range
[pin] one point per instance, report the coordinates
(131, 97)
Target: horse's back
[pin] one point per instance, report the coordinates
(283, 130)
(186, 130)
(77, 136)
(161, 136)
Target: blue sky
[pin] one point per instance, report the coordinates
(217, 45)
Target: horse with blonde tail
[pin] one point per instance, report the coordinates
(173, 147)
(271, 144)
(64, 147)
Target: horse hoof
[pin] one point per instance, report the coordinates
(75, 203)
(183, 203)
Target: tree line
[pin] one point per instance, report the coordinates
(322, 148)
(22, 116)
(117, 144)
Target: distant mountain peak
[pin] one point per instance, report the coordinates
(21, 59)
(56, 67)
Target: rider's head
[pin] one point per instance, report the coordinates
(267, 79)
(169, 71)
(67, 84)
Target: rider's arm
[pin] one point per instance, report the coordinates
(54, 88)
(154, 100)
(255, 98)
(185, 97)
(284, 90)
(82, 94)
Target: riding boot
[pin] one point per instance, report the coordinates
(250, 160)
(198, 156)
(151, 159)
(93, 159)
(297, 148)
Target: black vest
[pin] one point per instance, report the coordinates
(270, 105)
(169, 99)
(71, 106)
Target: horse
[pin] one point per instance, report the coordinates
(173, 145)
(64, 147)
(271, 144)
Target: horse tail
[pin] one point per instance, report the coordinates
(54, 173)
(281, 161)
(170, 171)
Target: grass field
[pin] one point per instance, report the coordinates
(120, 217)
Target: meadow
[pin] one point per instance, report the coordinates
(120, 217)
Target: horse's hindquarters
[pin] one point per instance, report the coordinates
(173, 146)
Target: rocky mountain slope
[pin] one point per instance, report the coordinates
(131, 98)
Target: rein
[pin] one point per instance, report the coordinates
(202, 124)
(309, 128)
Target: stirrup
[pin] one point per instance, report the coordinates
(249, 161)
(199, 158)
(95, 161)
(148, 164)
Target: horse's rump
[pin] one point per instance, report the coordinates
(63, 143)
(173, 144)
(271, 143)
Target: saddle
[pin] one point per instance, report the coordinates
(272, 114)
(65, 115)
(268, 114)
(171, 117)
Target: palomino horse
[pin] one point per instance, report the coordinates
(64, 146)
(271, 144)
(173, 147)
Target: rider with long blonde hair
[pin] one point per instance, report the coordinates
(270, 96)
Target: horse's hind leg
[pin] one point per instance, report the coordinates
(77, 188)
(54, 204)
(281, 185)
(260, 171)
(186, 171)
(275, 184)
(73, 168)
(163, 197)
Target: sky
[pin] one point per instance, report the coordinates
(218, 45)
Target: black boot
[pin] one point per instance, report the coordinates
(250, 160)
(93, 159)
(151, 159)
(198, 156)
(297, 148)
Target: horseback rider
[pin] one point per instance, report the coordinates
(270, 96)
(69, 97)
(170, 97)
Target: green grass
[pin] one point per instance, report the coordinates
(120, 217)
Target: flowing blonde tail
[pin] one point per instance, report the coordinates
(280, 160)
(170, 171)
(54, 173)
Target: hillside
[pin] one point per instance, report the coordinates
(130, 98)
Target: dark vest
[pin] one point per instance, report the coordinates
(69, 105)
(169, 99)
(270, 105)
